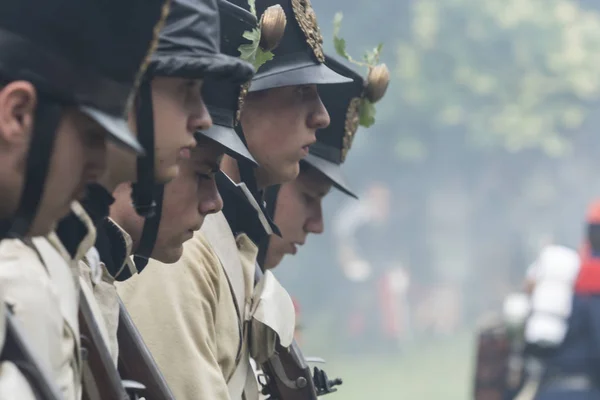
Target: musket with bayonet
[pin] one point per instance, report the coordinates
(17, 351)
(136, 361)
(101, 379)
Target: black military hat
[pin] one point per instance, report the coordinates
(83, 53)
(189, 44)
(299, 58)
(221, 93)
(343, 104)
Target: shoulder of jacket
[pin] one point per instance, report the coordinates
(199, 251)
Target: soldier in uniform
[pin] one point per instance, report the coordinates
(296, 205)
(67, 70)
(206, 298)
(169, 101)
(13, 383)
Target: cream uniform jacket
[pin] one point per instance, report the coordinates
(13, 384)
(188, 318)
(39, 282)
(98, 285)
(194, 320)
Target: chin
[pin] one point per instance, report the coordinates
(169, 256)
(289, 172)
(273, 260)
(167, 174)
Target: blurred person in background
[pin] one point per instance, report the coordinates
(379, 282)
(537, 350)
(562, 331)
(570, 354)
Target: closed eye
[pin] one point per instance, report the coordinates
(202, 176)
(309, 198)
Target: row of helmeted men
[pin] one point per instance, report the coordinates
(158, 158)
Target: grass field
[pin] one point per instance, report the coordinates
(427, 370)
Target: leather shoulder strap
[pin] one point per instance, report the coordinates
(218, 233)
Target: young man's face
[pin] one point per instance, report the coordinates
(78, 157)
(187, 200)
(280, 124)
(298, 212)
(179, 112)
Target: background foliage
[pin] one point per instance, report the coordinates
(488, 137)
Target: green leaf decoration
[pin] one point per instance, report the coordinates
(366, 113)
(253, 35)
(371, 59)
(248, 50)
(262, 57)
(338, 42)
(251, 52)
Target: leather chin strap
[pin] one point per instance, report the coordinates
(142, 193)
(271, 194)
(147, 196)
(149, 231)
(246, 169)
(47, 120)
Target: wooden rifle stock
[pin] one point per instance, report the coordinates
(287, 373)
(17, 351)
(136, 362)
(103, 381)
(288, 376)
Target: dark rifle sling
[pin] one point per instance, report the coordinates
(17, 351)
(136, 362)
(101, 380)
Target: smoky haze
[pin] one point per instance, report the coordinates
(487, 143)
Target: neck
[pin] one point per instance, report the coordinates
(123, 214)
(121, 167)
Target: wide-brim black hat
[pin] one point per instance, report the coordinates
(298, 59)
